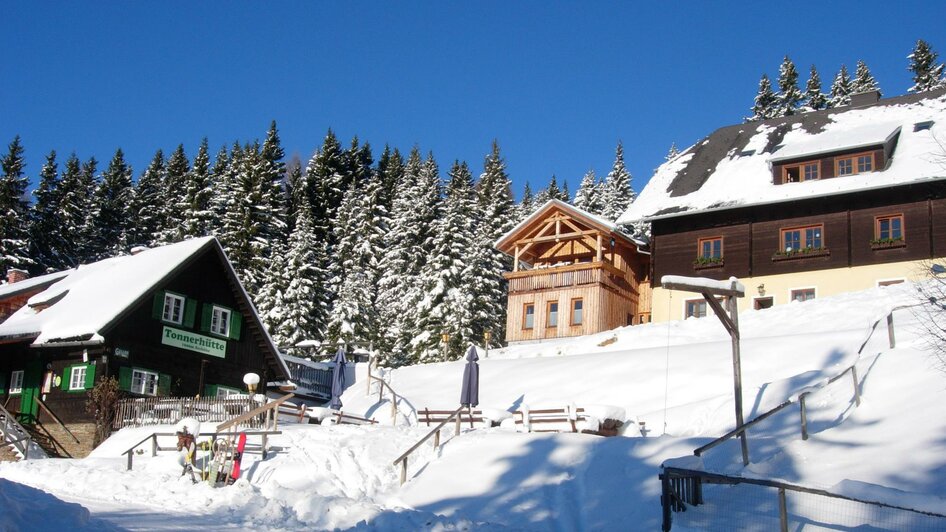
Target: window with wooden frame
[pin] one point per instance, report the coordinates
(577, 311)
(77, 378)
(16, 382)
(888, 228)
(695, 308)
(709, 250)
(551, 314)
(173, 308)
(798, 172)
(528, 316)
(858, 163)
(802, 238)
(803, 294)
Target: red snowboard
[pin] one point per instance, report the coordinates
(237, 458)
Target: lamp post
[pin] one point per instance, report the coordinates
(444, 339)
(487, 336)
(251, 380)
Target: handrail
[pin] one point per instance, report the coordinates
(11, 421)
(155, 448)
(403, 458)
(394, 395)
(55, 418)
(253, 413)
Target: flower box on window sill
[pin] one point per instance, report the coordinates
(707, 263)
(806, 253)
(887, 243)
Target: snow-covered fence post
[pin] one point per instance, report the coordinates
(857, 389)
(890, 333)
(154, 445)
(804, 416)
(782, 511)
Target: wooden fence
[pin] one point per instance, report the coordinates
(169, 410)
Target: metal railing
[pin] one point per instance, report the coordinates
(14, 434)
(435, 433)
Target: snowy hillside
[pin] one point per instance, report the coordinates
(676, 377)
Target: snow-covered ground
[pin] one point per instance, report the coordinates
(675, 377)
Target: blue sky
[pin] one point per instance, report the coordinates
(558, 84)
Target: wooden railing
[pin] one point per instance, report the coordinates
(317, 380)
(266, 416)
(435, 433)
(12, 433)
(130, 453)
(168, 410)
(568, 276)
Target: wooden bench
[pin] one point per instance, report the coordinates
(548, 416)
(435, 417)
(295, 411)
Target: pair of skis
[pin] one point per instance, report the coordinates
(226, 460)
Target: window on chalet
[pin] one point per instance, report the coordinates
(858, 163)
(220, 321)
(803, 294)
(709, 251)
(173, 308)
(551, 316)
(77, 377)
(802, 238)
(888, 228)
(798, 172)
(577, 311)
(16, 382)
(695, 308)
(528, 316)
(144, 382)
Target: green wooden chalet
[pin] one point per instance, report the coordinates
(168, 321)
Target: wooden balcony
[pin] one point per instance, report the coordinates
(573, 275)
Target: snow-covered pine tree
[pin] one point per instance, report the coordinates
(221, 197)
(149, 209)
(863, 80)
(199, 193)
(766, 102)
(840, 89)
(325, 177)
(351, 282)
(618, 192)
(527, 205)
(927, 73)
(390, 172)
(295, 191)
(75, 202)
(815, 100)
(587, 196)
(88, 186)
(112, 215)
(673, 152)
(14, 222)
(272, 192)
(494, 197)
(175, 197)
(789, 97)
(566, 195)
(553, 192)
(447, 306)
(46, 225)
(357, 160)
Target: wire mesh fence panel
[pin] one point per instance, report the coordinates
(811, 512)
(728, 508)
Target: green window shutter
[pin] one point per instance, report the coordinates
(210, 390)
(164, 384)
(124, 378)
(90, 376)
(66, 377)
(157, 308)
(4, 379)
(236, 325)
(190, 309)
(206, 314)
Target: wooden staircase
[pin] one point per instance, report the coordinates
(14, 438)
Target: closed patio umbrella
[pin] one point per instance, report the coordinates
(470, 393)
(338, 379)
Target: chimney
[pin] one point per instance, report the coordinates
(14, 275)
(864, 98)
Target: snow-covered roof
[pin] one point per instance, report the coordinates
(88, 299)
(603, 222)
(12, 289)
(733, 166)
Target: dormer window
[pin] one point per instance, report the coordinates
(858, 163)
(796, 173)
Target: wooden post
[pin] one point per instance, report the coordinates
(26, 450)
(403, 470)
(598, 258)
(857, 388)
(154, 445)
(665, 501)
(458, 424)
(393, 409)
(515, 262)
(890, 335)
(263, 449)
(130, 453)
(782, 511)
(737, 375)
(437, 439)
(804, 416)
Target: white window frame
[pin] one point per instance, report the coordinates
(799, 288)
(167, 314)
(143, 379)
(223, 392)
(16, 382)
(216, 316)
(77, 370)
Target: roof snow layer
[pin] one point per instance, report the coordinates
(93, 295)
(733, 166)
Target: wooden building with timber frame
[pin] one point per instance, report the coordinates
(574, 273)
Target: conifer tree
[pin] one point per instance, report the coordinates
(618, 192)
(46, 225)
(175, 196)
(295, 193)
(565, 196)
(14, 222)
(766, 102)
(88, 186)
(789, 96)
(390, 172)
(553, 192)
(112, 214)
(673, 152)
(815, 100)
(527, 205)
(863, 80)
(352, 283)
(927, 73)
(587, 198)
(150, 208)
(75, 202)
(272, 192)
(221, 198)
(199, 192)
(325, 177)
(840, 89)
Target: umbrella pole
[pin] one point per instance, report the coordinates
(470, 409)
